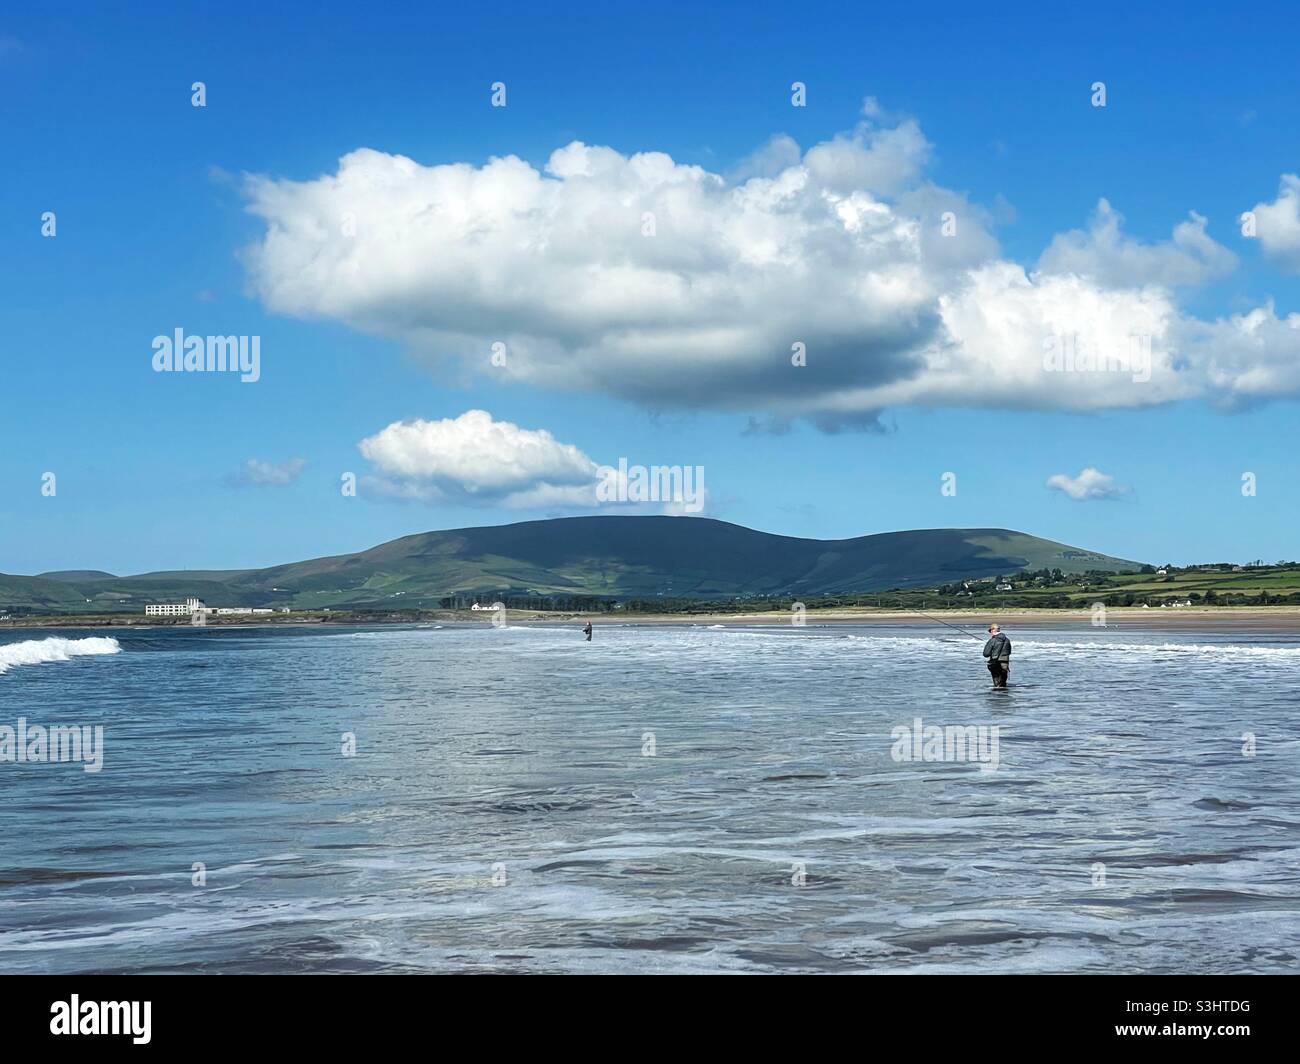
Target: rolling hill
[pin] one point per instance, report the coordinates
(614, 557)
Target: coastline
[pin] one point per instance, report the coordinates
(1209, 618)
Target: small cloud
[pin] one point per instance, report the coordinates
(1278, 224)
(1090, 484)
(779, 153)
(478, 461)
(768, 425)
(256, 471)
(1106, 255)
(1004, 211)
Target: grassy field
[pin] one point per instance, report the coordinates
(1046, 589)
(1211, 586)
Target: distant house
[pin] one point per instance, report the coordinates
(1162, 572)
(1004, 587)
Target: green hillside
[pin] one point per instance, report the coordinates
(73, 576)
(612, 557)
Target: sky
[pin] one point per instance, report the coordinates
(853, 266)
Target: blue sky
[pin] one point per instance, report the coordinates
(154, 232)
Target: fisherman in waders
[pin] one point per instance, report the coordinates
(998, 651)
(587, 631)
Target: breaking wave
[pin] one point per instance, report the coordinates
(39, 651)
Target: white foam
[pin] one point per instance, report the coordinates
(40, 651)
(1024, 646)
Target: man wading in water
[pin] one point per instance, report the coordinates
(998, 651)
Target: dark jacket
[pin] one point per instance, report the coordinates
(998, 648)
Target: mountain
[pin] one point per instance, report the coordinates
(614, 557)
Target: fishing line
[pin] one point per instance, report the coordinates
(964, 631)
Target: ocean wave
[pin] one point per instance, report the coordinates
(40, 651)
(1025, 645)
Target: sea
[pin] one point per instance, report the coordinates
(663, 799)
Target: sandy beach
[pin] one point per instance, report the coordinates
(1210, 619)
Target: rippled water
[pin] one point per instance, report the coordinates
(519, 755)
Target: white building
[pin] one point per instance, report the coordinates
(191, 606)
(187, 608)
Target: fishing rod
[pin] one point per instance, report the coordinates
(964, 631)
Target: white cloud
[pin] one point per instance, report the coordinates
(997, 328)
(1277, 224)
(869, 160)
(1107, 256)
(839, 248)
(779, 153)
(1089, 484)
(1247, 358)
(475, 459)
(257, 471)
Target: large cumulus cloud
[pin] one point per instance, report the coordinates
(660, 282)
